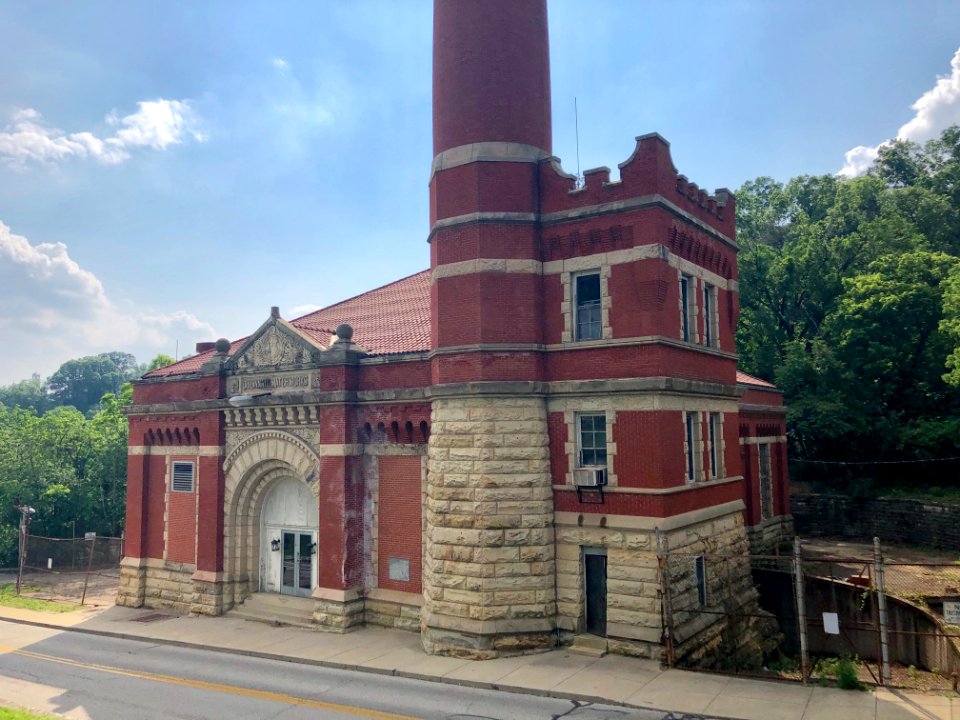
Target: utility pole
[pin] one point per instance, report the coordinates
(26, 512)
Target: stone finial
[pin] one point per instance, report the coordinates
(344, 333)
(222, 346)
(275, 312)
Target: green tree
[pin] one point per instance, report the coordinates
(27, 394)
(850, 301)
(82, 382)
(158, 362)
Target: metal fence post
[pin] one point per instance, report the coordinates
(86, 578)
(882, 604)
(801, 610)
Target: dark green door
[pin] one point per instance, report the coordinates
(595, 571)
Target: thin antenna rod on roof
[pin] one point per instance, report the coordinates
(576, 125)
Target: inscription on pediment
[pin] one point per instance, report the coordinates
(274, 382)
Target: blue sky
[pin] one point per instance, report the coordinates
(168, 171)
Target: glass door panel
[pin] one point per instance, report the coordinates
(288, 570)
(305, 575)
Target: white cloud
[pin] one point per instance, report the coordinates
(301, 310)
(156, 125)
(52, 310)
(936, 110)
(280, 64)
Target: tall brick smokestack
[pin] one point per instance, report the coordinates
(491, 73)
(491, 132)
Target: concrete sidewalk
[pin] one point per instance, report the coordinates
(613, 678)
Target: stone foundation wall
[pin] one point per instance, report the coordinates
(338, 615)
(488, 561)
(392, 609)
(133, 583)
(634, 624)
(893, 520)
(729, 631)
(158, 584)
(771, 536)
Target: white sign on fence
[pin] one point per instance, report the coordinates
(831, 623)
(951, 612)
(89, 535)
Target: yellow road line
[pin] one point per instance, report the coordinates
(216, 687)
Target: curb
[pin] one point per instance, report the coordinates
(330, 664)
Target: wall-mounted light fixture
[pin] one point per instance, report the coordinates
(246, 400)
(275, 544)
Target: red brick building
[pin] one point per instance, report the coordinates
(486, 451)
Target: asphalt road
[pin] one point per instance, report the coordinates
(91, 677)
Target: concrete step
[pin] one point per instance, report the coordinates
(589, 645)
(276, 610)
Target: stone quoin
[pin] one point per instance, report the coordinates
(491, 452)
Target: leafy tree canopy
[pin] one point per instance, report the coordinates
(850, 300)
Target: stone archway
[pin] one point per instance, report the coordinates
(257, 464)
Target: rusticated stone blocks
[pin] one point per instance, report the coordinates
(489, 565)
(338, 616)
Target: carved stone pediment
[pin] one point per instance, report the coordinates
(277, 344)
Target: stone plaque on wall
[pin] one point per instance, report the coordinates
(400, 569)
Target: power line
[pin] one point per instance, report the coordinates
(877, 462)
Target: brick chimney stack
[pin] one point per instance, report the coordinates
(491, 73)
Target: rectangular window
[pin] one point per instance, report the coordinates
(686, 287)
(700, 568)
(716, 434)
(183, 476)
(592, 439)
(709, 322)
(587, 304)
(691, 426)
(766, 482)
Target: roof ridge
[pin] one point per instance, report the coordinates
(359, 295)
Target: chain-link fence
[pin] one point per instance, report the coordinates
(848, 615)
(83, 571)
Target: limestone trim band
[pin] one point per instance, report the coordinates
(582, 345)
(763, 440)
(487, 152)
(619, 206)
(615, 490)
(650, 251)
(518, 218)
(197, 450)
(635, 522)
(769, 409)
(485, 265)
(589, 211)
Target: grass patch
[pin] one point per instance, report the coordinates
(9, 598)
(9, 714)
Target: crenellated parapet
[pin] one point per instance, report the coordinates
(648, 174)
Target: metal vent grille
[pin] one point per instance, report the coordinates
(183, 477)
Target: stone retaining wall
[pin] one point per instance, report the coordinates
(893, 520)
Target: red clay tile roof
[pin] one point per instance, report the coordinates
(391, 319)
(745, 379)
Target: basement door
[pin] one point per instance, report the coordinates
(595, 584)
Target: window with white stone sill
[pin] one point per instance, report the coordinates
(588, 313)
(692, 447)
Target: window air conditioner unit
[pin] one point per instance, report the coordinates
(590, 476)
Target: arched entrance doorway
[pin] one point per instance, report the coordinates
(289, 522)
(267, 465)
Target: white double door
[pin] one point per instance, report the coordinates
(288, 539)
